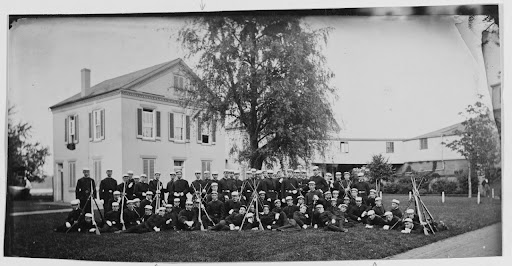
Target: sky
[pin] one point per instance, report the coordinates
(396, 77)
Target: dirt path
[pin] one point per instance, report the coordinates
(483, 242)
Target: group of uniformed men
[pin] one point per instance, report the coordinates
(263, 201)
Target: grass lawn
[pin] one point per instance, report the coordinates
(32, 236)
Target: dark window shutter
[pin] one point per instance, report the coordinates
(77, 126)
(102, 124)
(171, 126)
(66, 130)
(157, 124)
(187, 128)
(139, 122)
(214, 128)
(199, 129)
(91, 126)
(181, 83)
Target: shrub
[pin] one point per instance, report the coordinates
(390, 188)
(448, 187)
(463, 182)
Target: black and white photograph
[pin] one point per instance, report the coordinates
(356, 134)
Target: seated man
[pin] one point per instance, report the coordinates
(277, 206)
(313, 196)
(391, 222)
(373, 220)
(378, 208)
(250, 223)
(342, 214)
(300, 200)
(88, 225)
(370, 201)
(267, 217)
(409, 213)
(358, 212)
(232, 205)
(327, 220)
(72, 219)
(116, 198)
(148, 211)
(153, 224)
(232, 221)
(395, 208)
(148, 201)
(112, 222)
(187, 218)
(301, 220)
(130, 216)
(138, 209)
(409, 227)
(170, 217)
(332, 207)
(290, 208)
(214, 211)
(336, 195)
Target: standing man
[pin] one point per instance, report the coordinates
(362, 186)
(289, 187)
(237, 183)
(157, 188)
(197, 186)
(107, 188)
(319, 180)
(225, 186)
(270, 184)
(141, 187)
(170, 187)
(83, 190)
(181, 188)
(128, 186)
(346, 183)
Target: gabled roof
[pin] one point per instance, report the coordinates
(121, 82)
(447, 131)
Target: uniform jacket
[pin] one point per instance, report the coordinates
(320, 182)
(355, 211)
(290, 210)
(130, 187)
(139, 189)
(83, 188)
(107, 188)
(397, 212)
(215, 209)
(301, 218)
(375, 221)
(73, 216)
(186, 215)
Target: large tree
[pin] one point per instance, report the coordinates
(478, 142)
(266, 76)
(24, 158)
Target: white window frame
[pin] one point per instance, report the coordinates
(206, 127)
(72, 174)
(206, 165)
(183, 128)
(96, 125)
(344, 146)
(71, 129)
(153, 126)
(150, 174)
(390, 147)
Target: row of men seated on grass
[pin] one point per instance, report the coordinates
(289, 217)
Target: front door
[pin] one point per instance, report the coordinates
(60, 174)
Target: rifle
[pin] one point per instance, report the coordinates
(200, 217)
(92, 212)
(157, 204)
(200, 205)
(122, 207)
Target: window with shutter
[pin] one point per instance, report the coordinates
(199, 137)
(66, 131)
(148, 167)
(148, 123)
(77, 125)
(171, 126)
(97, 124)
(187, 127)
(158, 124)
(179, 127)
(72, 174)
(103, 124)
(91, 138)
(214, 129)
(390, 147)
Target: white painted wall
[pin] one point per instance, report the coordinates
(164, 150)
(107, 150)
(359, 152)
(435, 151)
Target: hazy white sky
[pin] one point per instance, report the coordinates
(396, 77)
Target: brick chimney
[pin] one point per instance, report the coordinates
(86, 81)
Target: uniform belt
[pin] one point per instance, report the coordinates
(289, 190)
(270, 190)
(225, 191)
(362, 191)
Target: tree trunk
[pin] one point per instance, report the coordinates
(469, 180)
